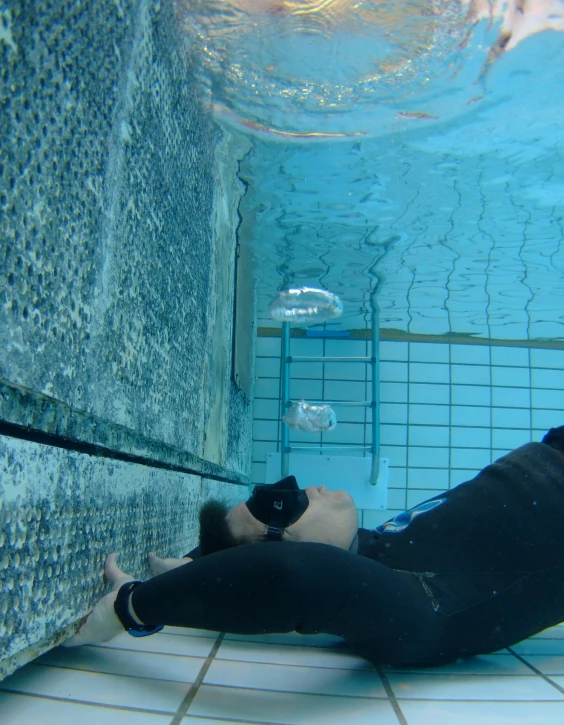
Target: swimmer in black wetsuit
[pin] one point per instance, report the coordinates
(470, 571)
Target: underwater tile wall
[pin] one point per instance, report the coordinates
(447, 410)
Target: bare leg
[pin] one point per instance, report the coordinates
(161, 566)
(103, 623)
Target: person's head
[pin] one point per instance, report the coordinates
(330, 517)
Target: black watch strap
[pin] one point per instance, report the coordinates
(121, 608)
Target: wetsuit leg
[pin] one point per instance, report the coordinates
(555, 438)
(529, 606)
(383, 614)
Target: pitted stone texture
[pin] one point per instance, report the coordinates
(61, 513)
(58, 95)
(107, 211)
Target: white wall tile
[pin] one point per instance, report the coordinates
(267, 388)
(393, 435)
(268, 347)
(306, 390)
(261, 449)
(397, 498)
(435, 478)
(429, 393)
(266, 409)
(429, 414)
(470, 374)
(397, 477)
(511, 417)
(390, 350)
(458, 476)
(348, 433)
(548, 399)
(428, 457)
(428, 373)
(547, 359)
(470, 458)
(347, 348)
(393, 413)
(510, 356)
(541, 378)
(394, 372)
(304, 436)
(511, 397)
(471, 394)
(508, 439)
(258, 472)
(546, 418)
(417, 496)
(306, 346)
(425, 435)
(396, 454)
(510, 377)
(345, 371)
(470, 354)
(393, 392)
(349, 413)
(428, 352)
(470, 416)
(344, 390)
(267, 367)
(498, 453)
(265, 430)
(470, 437)
(306, 371)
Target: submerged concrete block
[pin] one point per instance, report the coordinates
(118, 213)
(115, 265)
(61, 514)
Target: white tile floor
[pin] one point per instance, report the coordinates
(193, 677)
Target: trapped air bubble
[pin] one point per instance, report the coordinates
(310, 418)
(305, 304)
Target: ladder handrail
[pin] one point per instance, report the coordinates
(287, 359)
(306, 358)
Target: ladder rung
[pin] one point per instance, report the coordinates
(295, 359)
(350, 403)
(329, 448)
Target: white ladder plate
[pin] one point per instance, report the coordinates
(338, 473)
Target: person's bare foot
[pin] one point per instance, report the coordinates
(161, 566)
(114, 574)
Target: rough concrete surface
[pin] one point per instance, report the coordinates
(109, 242)
(61, 513)
(118, 214)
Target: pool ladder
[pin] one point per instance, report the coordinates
(286, 360)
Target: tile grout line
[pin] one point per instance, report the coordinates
(88, 703)
(391, 697)
(537, 671)
(193, 691)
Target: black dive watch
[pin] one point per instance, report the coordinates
(121, 608)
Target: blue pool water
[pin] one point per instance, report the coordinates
(437, 182)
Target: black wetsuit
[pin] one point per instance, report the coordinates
(470, 571)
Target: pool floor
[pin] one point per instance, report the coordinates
(194, 677)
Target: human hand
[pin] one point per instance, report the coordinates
(102, 623)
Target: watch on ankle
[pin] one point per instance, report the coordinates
(121, 608)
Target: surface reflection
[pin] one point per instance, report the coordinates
(322, 68)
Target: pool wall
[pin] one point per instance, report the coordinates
(447, 408)
(119, 408)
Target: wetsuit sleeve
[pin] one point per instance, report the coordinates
(194, 554)
(304, 587)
